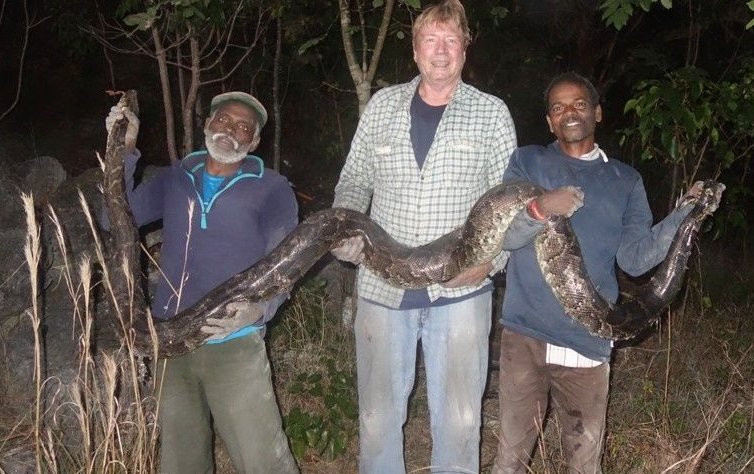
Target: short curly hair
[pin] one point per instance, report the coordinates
(572, 77)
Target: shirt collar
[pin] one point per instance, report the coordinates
(595, 153)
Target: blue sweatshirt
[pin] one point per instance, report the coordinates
(613, 226)
(248, 216)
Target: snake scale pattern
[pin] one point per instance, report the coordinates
(477, 241)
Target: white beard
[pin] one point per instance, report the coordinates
(221, 155)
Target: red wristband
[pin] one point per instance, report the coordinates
(534, 211)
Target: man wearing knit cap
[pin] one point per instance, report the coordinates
(221, 211)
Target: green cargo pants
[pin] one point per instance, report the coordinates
(226, 386)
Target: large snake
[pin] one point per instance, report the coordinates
(559, 257)
(479, 240)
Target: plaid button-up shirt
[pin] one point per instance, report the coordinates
(470, 151)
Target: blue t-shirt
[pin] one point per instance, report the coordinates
(425, 119)
(210, 186)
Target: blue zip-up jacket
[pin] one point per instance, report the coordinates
(249, 215)
(613, 226)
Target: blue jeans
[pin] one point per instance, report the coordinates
(455, 345)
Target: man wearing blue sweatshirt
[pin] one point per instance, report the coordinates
(221, 211)
(545, 354)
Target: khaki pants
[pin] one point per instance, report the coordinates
(227, 386)
(580, 400)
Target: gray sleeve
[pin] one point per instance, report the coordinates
(647, 253)
(521, 231)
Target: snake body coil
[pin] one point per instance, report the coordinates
(479, 240)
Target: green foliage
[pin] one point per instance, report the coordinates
(734, 216)
(498, 13)
(326, 434)
(181, 13)
(415, 4)
(750, 4)
(688, 122)
(616, 13)
(309, 43)
(312, 343)
(674, 114)
(486, 17)
(738, 434)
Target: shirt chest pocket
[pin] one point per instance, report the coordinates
(460, 162)
(395, 167)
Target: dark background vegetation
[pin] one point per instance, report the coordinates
(677, 80)
(517, 47)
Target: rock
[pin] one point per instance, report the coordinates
(41, 176)
(18, 460)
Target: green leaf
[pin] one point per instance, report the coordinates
(377, 3)
(298, 447)
(706, 302)
(498, 13)
(339, 443)
(630, 105)
(313, 437)
(415, 4)
(308, 44)
(646, 4)
(322, 442)
(674, 148)
(142, 21)
(314, 378)
(616, 12)
(728, 159)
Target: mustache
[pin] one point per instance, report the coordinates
(216, 136)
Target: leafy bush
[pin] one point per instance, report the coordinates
(312, 354)
(327, 433)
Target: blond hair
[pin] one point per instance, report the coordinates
(447, 11)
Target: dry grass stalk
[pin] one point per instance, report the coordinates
(32, 252)
(108, 436)
(667, 413)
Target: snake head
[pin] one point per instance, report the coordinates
(705, 196)
(712, 194)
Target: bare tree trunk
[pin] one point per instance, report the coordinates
(105, 51)
(209, 49)
(198, 117)
(20, 75)
(692, 44)
(276, 93)
(167, 100)
(181, 73)
(363, 75)
(341, 135)
(188, 106)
